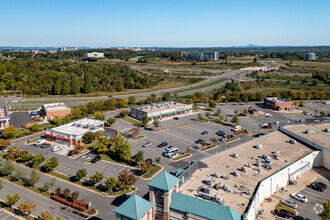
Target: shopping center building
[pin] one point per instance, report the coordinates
(161, 110)
(56, 109)
(71, 134)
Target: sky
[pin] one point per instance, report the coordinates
(164, 23)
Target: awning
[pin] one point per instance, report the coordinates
(167, 113)
(57, 137)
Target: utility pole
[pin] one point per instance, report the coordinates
(52, 208)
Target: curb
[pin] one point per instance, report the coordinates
(215, 145)
(162, 168)
(17, 139)
(160, 130)
(182, 158)
(236, 139)
(141, 138)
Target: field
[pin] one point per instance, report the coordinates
(308, 64)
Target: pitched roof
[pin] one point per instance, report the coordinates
(179, 172)
(164, 181)
(202, 208)
(134, 208)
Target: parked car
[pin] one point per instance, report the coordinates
(45, 145)
(176, 118)
(308, 113)
(259, 135)
(289, 203)
(316, 186)
(5, 150)
(268, 115)
(95, 159)
(163, 144)
(56, 148)
(282, 213)
(195, 147)
(299, 197)
(325, 186)
(106, 124)
(40, 142)
(148, 144)
(242, 114)
(205, 132)
(199, 141)
(223, 138)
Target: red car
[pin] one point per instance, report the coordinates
(283, 213)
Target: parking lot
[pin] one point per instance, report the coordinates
(7, 216)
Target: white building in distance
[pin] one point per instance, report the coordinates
(94, 55)
(310, 56)
(62, 49)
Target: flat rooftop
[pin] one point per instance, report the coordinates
(277, 99)
(320, 137)
(225, 164)
(162, 106)
(56, 106)
(79, 127)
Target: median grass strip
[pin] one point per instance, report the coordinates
(158, 130)
(154, 169)
(138, 137)
(209, 147)
(203, 86)
(231, 139)
(181, 157)
(181, 125)
(281, 206)
(131, 120)
(203, 120)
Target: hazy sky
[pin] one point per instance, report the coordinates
(172, 23)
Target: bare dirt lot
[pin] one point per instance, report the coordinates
(225, 164)
(320, 137)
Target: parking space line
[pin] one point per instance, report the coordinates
(6, 217)
(62, 168)
(66, 170)
(2, 213)
(106, 165)
(71, 172)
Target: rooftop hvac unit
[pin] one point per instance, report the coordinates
(310, 131)
(217, 186)
(275, 153)
(226, 188)
(249, 164)
(277, 157)
(234, 155)
(209, 181)
(226, 177)
(265, 157)
(217, 175)
(218, 199)
(74, 124)
(258, 146)
(327, 130)
(293, 141)
(243, 169)
(235, 173)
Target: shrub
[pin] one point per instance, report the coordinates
(82, 203)
(78, 207)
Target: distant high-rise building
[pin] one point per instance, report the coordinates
(200, 55)
(310, 56)
(67, 48)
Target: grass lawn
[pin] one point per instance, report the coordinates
(203, 120)
(59, 175)
(281, 206)
(107, 158)
(131, 120)
(183, 124)
(155, 168)
(181, 157)
(208, 147)
(34, 140)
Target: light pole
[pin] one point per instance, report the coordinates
(52, 208)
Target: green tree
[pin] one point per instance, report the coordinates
(81, 173)
(89, 137)
(255, 60)
(157, 159)
(9, 132)
(34, 178)
(51, 164)
(155, 123)
(207, 114)
(212, 104)
(57, 87)
(111, 182)
(139, 156)
(56, 120)
(111, 121)
(19, 174)
(102, 145)
(96, 178)
(99, 116)
(74, 86)
(325, 215)
(245, 111)
(236, 112)
(26, 155)
(131, 100)
(37, 160)
(200, 115)
(122, 149)
(145, 120)
(35, 127)
(48, 185)
(7, 168)
(235, 120)
(12, 200)
(74, 196)
(301, 104)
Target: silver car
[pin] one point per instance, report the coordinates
(299, 197)
(289, 203)
(148, 144)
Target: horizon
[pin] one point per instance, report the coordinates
(164, 24)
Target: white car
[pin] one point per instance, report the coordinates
(148, 144)
(40, 142)
(299, 197)
(56, 148)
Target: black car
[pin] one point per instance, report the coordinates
(176, 118)
(316, 186)
(259, 135)
(283, 213)
(325, 186)
(106, 124)
(45, 145)
(95, 159)
(205, 132)
(199, 141)
(164, 144)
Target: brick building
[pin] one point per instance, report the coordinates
(56, 109)
(279, 104)
(4, 117)
(71, 134)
